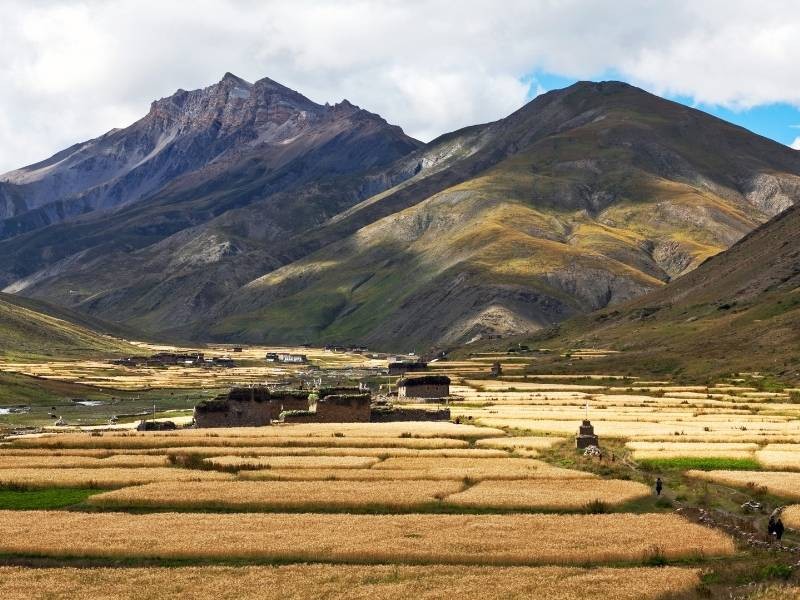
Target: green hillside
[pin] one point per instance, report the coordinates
(28, 332)
(738, 312)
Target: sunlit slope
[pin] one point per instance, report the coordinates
(738, 311)
(25, 332)
(568, 225)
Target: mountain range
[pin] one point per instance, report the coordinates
(248, 212)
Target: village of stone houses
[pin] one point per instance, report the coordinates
(275, 471)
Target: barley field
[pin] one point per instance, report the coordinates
(779, 459)
(299, 582)
(549, 494)
(275, 495)
(295, 462)
(785, 484)
(84, 462)
(101, 477)
(351, 475)
(506, 540)
(791, 516)
(144, 441)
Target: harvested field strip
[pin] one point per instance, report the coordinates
(779, 459)
(348, 475)
(277, 495)
(520, 443)
(399, 429)
(411, 539)
(211, 451)
(791, 516)
(83, 462)
(425, 463)
(300, 582)
(668, 454)
(484, 468)
(142, 441)
(691, 447)
(549, 494)
(784, 484)
(783, 447)
(295, 462)
(101, 478)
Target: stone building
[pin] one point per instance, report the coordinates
(586, 436)
(334, 408)
(248, 407)
(425, 386)
(403, 367)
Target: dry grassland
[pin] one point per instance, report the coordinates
(413, 539)
(784, 484)
(549, 494)
(376, 582)
(275, 495)
(102, 478)
(295, 462)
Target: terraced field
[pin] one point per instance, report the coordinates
(499, 501)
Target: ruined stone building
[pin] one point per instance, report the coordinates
(259, 406)
(424, 386)
(403, 367)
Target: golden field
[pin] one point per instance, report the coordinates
(351, 475)
(482, 468)
(779, 459)
(784, 484)
(295, 462)
(375, 582)
(102, 478)
(409, 539)
(129, 441)
(276, 495)
(84, 462)
(251, 451)
(791, 516)
(549, 494)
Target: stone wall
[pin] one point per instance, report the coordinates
(350, 408)
(384, 415)
(426, 386)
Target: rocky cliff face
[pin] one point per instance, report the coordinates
(186, 132)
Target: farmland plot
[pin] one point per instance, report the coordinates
(101, 477)
(299, 582)
(274, 495)
(549, 494)
(784, 484)
(409, 539)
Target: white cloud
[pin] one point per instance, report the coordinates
(796, 143)
(73, 69)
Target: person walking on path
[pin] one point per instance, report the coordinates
(659, 486)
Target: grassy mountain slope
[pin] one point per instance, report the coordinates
(26, 331)
(586, 197)
(737, 312)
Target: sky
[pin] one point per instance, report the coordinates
(71, 70)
